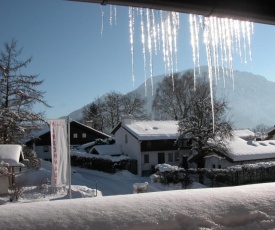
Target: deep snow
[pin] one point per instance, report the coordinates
(115, 207)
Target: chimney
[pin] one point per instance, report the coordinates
(127, 119)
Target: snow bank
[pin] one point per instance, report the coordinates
(243, 207)
(167, 168)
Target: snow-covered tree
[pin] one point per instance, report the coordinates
(18, 94)
(198, 124)
(31, 159)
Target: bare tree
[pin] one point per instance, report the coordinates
(18, 94)
(132, 103)
(172, 98)
(261, 128)
(112, 108)
(106, 112)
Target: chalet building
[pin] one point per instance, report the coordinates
(149, 142)
(79, 135)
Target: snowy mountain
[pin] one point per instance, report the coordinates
(250, 98)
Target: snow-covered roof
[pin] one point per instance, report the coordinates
(90, 128)
(153, 130)
(244, 133)
(107, 150)
(11, 154)
(242, 150)
(39, 133)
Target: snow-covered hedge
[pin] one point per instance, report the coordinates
(168, 174)
(104, 164)
(235, 175)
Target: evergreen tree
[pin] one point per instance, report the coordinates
(92, 116)
(18, 94)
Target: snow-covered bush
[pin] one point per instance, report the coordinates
(32, 161)
(4, 171)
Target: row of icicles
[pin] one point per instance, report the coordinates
(222, 38)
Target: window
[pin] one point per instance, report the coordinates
(177, 156)
(219, 166)
(126, 138)
(146, 158)
(214, 166)
(170, 157)
(84, 135)
(75, 135)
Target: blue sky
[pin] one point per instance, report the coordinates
(79, 64)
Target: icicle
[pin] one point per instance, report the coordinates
(193, 44)
(115, 14)
(244, 40)
(159, 31)
(209, 63)
(249, 28)
(111, 15)
(197, 43)
(163, 39)
(149, 45)
(155, 29)
(132, 31)
(143, 48)
(102, 20)
(175, 37)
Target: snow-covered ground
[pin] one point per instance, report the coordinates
(116, 207)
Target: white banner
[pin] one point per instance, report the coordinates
(59, 150)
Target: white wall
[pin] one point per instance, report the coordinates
(131, 148)
(209, 162)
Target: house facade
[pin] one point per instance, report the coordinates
(79, 135)
(149, 142)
